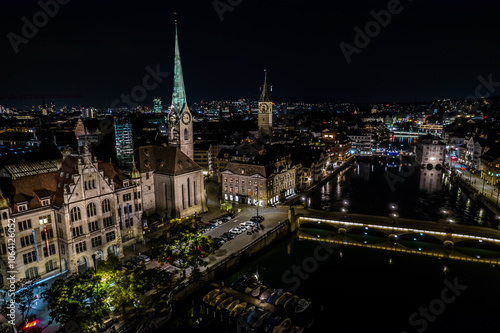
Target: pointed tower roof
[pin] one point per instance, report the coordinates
(264, 97)
(179, 93)
(134, 174)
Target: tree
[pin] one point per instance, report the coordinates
(76, 300)
(182, 245)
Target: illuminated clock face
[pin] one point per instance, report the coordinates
(264, 108)
(186, 118)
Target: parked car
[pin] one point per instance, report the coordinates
(236, 231)
(248, 223)
(143, 258)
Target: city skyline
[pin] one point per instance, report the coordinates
(100, 51)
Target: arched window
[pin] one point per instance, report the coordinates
(31, 273)
(106, 206)
(186, 137)
(91, 210)
(76, 215)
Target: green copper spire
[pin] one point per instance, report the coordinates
(265, 90)
(179, 94)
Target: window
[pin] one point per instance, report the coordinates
(50, 233)
(129, 235)
(29, 257)
(59, 220)
(77, 231)
(63, 250)
(45, 202)
(52, 249)
(44, 219)
(106, 206)
(91, 210)
(76, 215)
(127, 197)
(50, 266)
(110, 236)
(22, 208)
(27, 240)
(60, 233)
(32, 273)
(24, 225)
(80, 247)
(107, 221)
(93, 226)
(96, 241)
(147, 175)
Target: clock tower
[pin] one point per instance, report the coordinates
(180, 120)
(265, 111)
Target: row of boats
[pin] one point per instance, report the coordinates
(254, 317)
(277, 297)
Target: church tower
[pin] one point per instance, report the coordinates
(265, 111)
(180, 120)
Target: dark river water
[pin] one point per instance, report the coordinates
(356, 289)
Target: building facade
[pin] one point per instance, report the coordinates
(124, 143)
(71, 218)
(172, 183)
(430, 156)
(265, 117)
(263, 184)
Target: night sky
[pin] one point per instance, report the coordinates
(100, 49)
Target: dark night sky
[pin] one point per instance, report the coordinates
(99, 49)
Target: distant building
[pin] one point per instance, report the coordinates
(89, 113)
(362, 142)
(258, 183)
(430, 156)
(124, 143)
(490, 165)
(157, 105)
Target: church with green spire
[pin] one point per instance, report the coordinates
(180, 119)
(265, 120)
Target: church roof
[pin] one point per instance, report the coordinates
(264, 97)
(179, 93)
(164, 160)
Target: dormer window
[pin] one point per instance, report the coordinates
(125, 183)
(22, 207)
(46, 202)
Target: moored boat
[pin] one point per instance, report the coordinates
(247, 312)
(283, 326)
(274, 296)
(208, 297)
(291, 303)
(250, 281)
(235, 312)
(225, 303)
(265, 295)
(283, 298)
(239, 281)
(259, 290)
(231, 305)
(216, 300)
(302, 305)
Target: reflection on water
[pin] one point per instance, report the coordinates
(369, 185)
(357, 289)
